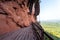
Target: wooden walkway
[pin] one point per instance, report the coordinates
(22, 34)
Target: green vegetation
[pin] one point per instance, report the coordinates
(53, 29)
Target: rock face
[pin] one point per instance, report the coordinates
(14, 16)
(15, 21)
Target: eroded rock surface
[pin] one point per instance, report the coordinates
(14, 16)
(16, 22)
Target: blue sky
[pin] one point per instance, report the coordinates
(49, 10)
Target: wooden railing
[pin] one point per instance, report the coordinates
(46, 34)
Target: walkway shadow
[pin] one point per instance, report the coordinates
(53, 36)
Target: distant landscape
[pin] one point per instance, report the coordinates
(52, 28)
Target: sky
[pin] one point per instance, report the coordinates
(49, 10)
